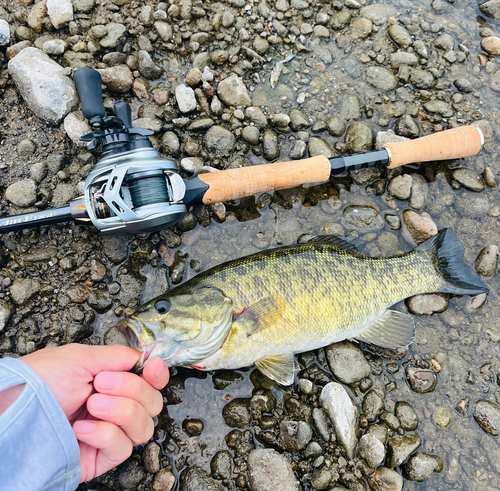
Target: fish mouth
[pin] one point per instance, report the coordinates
(132, 330)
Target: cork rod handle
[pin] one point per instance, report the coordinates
(247, 181)
(450, 144)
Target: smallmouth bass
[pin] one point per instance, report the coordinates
(268, 306)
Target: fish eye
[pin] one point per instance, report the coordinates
(162, 306)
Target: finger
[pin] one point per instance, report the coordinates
(132, 386)
(128, 414)
(156, 373)
(112, 444)
(116, 358)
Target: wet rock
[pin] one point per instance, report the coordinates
(117, 79)
(386, 479)
(313, 450)
(170, 143)
(320, 420)
(49, 93)
(379, 431)
(63, 194)
(421, 466)
(131, 475)
(362, 217)
(406, 416)
(100, 300)
(270, 145)
(151, 457)
(421, 380)
(365, 176)
(407, 126)
(442, 417)
(298, 150)
(439, 107)
(486, 262)
(269, 471)
(60, 12)
(233, 92)
(495, 81)
(237, 413)
(22, 193)
(113, 37)
(24, 289)
(319, 146)
(373, 405)
(420, 227)
(359, 138)
(298, 120)
(372, 450)
(469, 179)
(389, 136)
(344, 415)
(4, 33)
(400, 448)
(77, 332)
(491, 45)
(54, 47)
(6, 310)
(422, 79)
(347, 362)
(221, 465)
(115, 336)
(186, 99)
(76, 126)
(163, 481)
(401, 58)
(463, 406)
(256, 116)
(381, 78)
(428, 304)
(491, 8)
(322, 478)
(294, 435)
(219, 140)
(195, 479)
(400, 36)
(417, 198)
(147, 68)
(351, 108)
(377, 13)
(489, 178)
(445, 42)
(115, 248)
(336, 126)
(193, 427)
(390, 420)
(487, 416)
(400, 187)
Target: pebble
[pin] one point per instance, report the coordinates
(4, 33)
(406, 416)
(400, 448)
(400, 187)
(373, 405)
(114, 33)
(491, 45)
(236, 413)
(487, 416)
(487, 261)
(60, 12)
(427, 304)
(362, 217)
(131, 474)
(491, 8)
(233, 92)
(320, 420)
(54, 47)
(442, 417)
(359, 137)
(269, 470)
(194, 479)
(294, 435)
(298, 120)
(6, 311)
(270, 145)
(151, 457)
(386, 479)
(117, 79)
(372, 450)
(24, 289)
(421, 466)
(186, 99)
(164, 481)
(420, 227)
(76, 126)
(22, 193)
(343, 413)
(319, 146)
(347, 362)
(147, 68)
(221, 465)
(170, 143)
(489, 178)
(401, 58)
(421, 380)
(381, 78)
(219, 140)
(469, 180)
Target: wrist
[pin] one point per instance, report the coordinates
(9, 396)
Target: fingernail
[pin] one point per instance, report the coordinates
(84, 427)
(160, 371)
(101, 402)
(109, 380)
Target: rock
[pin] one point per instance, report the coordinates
(194, 76)
(170, 143)
(489, 178)
(319, 146)
(251, 135)
(320, 420)
(221, 465)
(163, 481)
(445, 42)
(60, 12)
(131, 475)
(417, 198)
(100, 300)
(373, 405)
(294, 435)
(22, 193)
(359, 137)
(151, 457)
(76, 126)
(260, 45)
(487, 260)
(233, 92)
(63, 194)
(113, 37)
(344, 415)
(219, 140)
(84, 6)
(469, 179)
(270, 471)
(421, 79)
(363, 218)
(402, 58)
(428, 304)
(377, 13)
(439, 107)
(463, 85)
(400, 35)
(54, 47)
(195, 479)
(400, 187)
(298, 120)
(336, 127)
(4, 33)
(164, 30)
(115, 248)
(347, 362)
(186, 99)
(390, 420)
(406, 416)
(372, 450)
(147, 68)
(407, 126)
(386, 479)
(381, 78)
(491, 8)
(351, 108)
(49, 93)
(442, 417)
(487, 416)
(494, 80)
(379, 431)
(420, 227)
(24, 289)
(193, 427)
(490, 44)
(115, 336)
(270, 145)
(421, 466)
(421, 380)
(201, 124)
(322, 478)
(237, 413)
(117, 79)
(6, 310)
(400, 448)
(389, 136)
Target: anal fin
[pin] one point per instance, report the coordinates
(278, 367)
(392, 330)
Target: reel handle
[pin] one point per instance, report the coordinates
(88, 84)
(123, 112)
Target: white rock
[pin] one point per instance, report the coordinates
(185, 98)
(207, 75)
(233, 92)
(269, 470)
(60, 12)
(54, 47)
(4, 33)
(343, 413)
(76, 126)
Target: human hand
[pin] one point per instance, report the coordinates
(110, 409)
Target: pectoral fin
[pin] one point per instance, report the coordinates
(259, 315)
(278, 367)
(392, 330)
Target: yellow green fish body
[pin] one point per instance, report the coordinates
(268, 306)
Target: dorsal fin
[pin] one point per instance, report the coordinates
(334, 240)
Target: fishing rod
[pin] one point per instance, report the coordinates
(133, 189)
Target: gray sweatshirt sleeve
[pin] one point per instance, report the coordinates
(38, 449)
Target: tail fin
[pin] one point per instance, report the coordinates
(448, 252)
